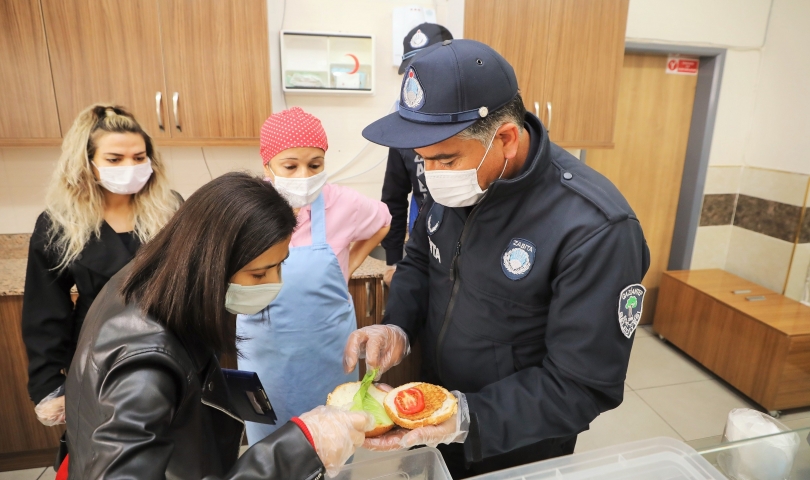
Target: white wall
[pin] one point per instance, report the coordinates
(781, 113)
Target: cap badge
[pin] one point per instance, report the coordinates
(412, 94)
(419, 39)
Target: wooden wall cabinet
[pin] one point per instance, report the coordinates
(567, 56)
(26, 89)
(191, 71)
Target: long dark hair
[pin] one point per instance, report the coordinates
(180, 278)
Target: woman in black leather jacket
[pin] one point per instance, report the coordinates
(145, 394)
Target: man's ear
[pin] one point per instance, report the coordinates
(509, 133)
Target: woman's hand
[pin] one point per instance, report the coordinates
(336, 434)
(361, 249)
(51, 410)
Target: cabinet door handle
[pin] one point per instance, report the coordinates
(175, 101)
(537, 109)
(548, 108)
(369, 300)
(158, 102)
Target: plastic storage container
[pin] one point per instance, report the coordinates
(654, 459)
(419, 464)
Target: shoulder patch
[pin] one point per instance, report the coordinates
(518, 258)
(631, 303)
(434, 218)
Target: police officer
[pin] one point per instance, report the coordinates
(405, 171)
(521, 277)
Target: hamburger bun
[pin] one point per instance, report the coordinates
(343, 396)
(440, 405)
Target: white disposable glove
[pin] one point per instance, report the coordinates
(51, 409)
(383, 347)
(453, 430)
(336, 434)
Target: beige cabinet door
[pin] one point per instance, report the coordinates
(586, 47)
(646, 165)
(519, 31)
(217, 67)
(26, 89)
(107, 51)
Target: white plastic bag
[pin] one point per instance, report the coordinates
(770, 458)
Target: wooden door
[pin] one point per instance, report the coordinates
(218, 65)
(586, 46)
(107, 51)
(26, 88)
(652, 129)
(518, 30)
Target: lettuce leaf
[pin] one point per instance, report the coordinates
(363, 401)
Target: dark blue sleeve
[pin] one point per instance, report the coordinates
(395, 191)
(583, 374)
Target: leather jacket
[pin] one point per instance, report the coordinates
(141, 402)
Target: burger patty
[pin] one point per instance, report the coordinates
(434, 398)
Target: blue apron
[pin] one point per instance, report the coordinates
(296, 343)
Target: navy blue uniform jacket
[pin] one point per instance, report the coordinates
(516, 300)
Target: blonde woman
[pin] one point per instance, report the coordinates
(108, 195)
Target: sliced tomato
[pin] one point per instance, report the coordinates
(410, 401)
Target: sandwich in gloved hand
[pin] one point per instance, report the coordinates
(410, 406)
(363, 396)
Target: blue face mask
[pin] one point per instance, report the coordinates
(252, 299)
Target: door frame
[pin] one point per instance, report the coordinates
(698, 148)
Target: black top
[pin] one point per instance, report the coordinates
(516, 301)
(50, 321)
(145, 403)
(405, 173)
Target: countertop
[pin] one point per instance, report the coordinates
(14, 257)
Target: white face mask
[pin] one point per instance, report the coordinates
(126, 179)
(300, 192)
(252, 299)
(458, 188)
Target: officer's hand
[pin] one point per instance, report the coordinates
(336, 434)
(453, 430)
(51, 410)
(383, 347)
(391, 440)
(388, 275)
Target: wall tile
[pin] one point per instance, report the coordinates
(778, 186)
(221, 160)
(759, 258)
(799, 271)
(718, 209)
(30, 165)
(8, 215)
(711, 247)
(775, 219)
(29, 202)
(722, 179)
(186, 169)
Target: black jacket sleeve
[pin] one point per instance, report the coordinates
(47, 317)
(409, 295)
(396, 187)
(583, 374)
(141, 401)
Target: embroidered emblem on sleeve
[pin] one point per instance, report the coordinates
(631, 303)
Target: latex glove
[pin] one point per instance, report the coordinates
(388, 275)
(453, 430)
(383, 347)
(51, 409)
(336, 434)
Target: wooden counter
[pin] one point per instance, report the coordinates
(756, 340)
